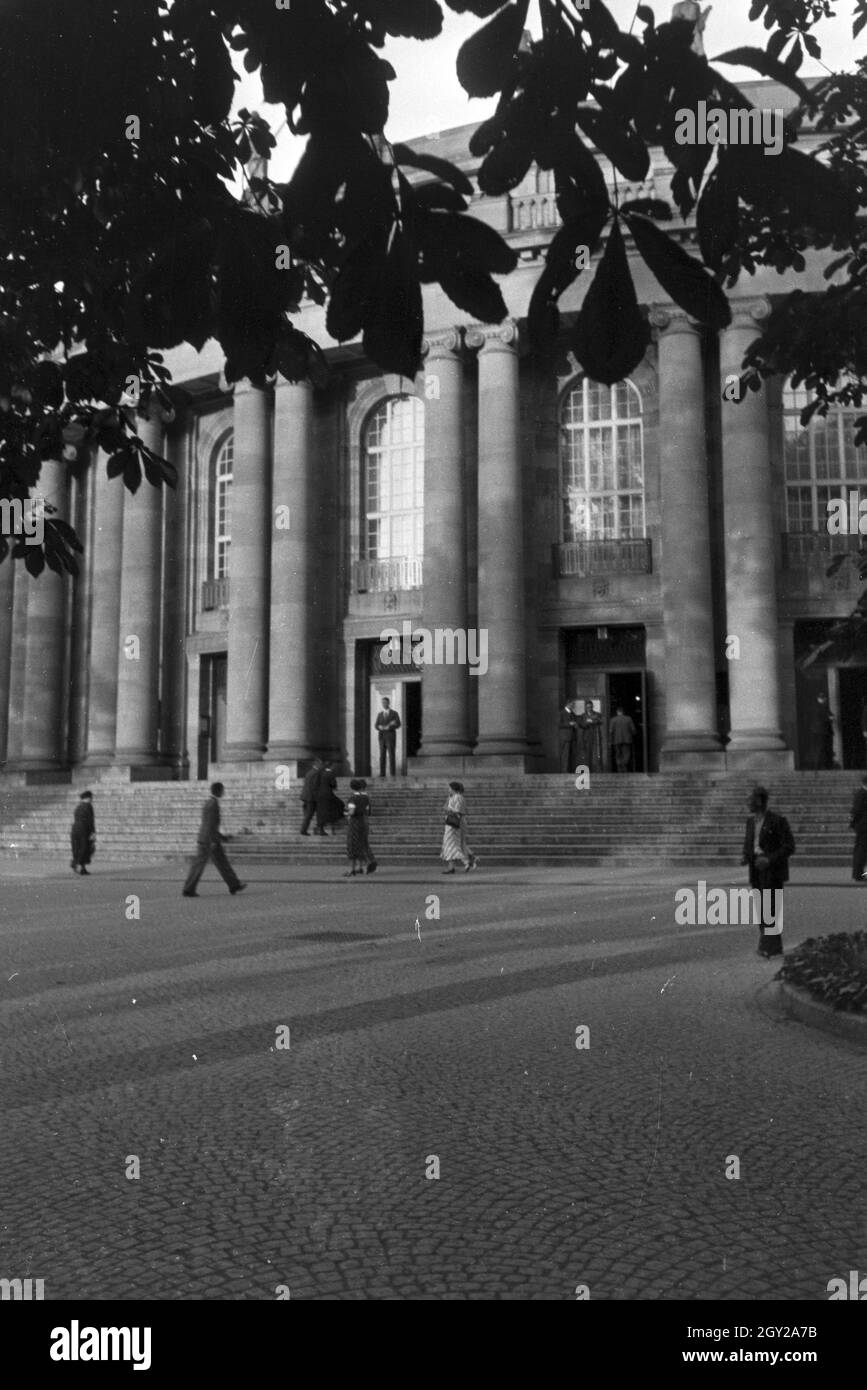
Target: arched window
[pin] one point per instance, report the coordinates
(223, 465)
(393, 481)
(602, 462)
(821, 461)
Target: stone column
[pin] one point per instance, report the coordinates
(691, 738)
(43, 704)
(293, 723)
(445, 691)
(7, 595)
(106, 544)
(502, 709)
(138, 660)
(249, 575)
(173, 735)
(751, 591)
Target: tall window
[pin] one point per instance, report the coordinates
(393, 481)
(821, 461)
(602, 462)
(222, 507)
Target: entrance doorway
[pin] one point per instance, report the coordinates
(404, 693)
(626, 688)
(213, 677)
(852, 682)
(606, 665)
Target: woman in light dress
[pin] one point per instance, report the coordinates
(455, 848)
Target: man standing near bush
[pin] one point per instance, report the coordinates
(768, 844)
(858, 823)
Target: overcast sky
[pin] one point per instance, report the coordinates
(426, 96)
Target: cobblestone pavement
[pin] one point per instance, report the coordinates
(412, 1040)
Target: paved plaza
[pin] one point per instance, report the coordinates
(416, 1047)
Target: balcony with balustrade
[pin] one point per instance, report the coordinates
(215, 595)
(386, 576)
(581, 559)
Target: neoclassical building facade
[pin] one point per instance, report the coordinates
(649, 545)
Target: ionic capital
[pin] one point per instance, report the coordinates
(670, 320)
(441, 345)
(750, 313)
(500, 337)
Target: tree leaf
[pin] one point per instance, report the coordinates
(648, 207)
(561, 270)
(717, 219)
(393, 321)
(404, 154)
(482, 8)
(505, 166)
(413, 19)
(475, 293)
(356, 283)
(611, 334)
(485, 60)
(627, 152)
(762, 62)
(687, 282)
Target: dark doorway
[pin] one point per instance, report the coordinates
(412, 719)
(626, 688)
(814, 752)
(853, 695)
(212, 712)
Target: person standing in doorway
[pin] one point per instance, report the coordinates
(622, 734)
(309, 790)
(590, 738)
(822, 735)
(768, 846)
(210, 846)
(82, 837)
(858, 823)
(387, 725)
(567, 737)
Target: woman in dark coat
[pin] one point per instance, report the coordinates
(357, 842)
(83, 834)
(329, 807)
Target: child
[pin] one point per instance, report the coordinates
(357, 844)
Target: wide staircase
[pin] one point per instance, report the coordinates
(620, 821)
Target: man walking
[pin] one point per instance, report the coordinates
(309, 792)
(387, 725)
(768, 845)
(210, 846)
(622, 735)
(858, 823)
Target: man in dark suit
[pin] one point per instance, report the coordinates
(386, 725)
(309, 792)
(768, 844)
(858, 823)
(210, 846)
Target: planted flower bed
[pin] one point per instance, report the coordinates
(832, 969)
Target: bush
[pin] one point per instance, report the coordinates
(832, 969)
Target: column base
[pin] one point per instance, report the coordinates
(450, 766)
(760, 759)
(36, 765)
(500, 764)
(444, 748)
(243, 752)
(290, 752)
(684, 751)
